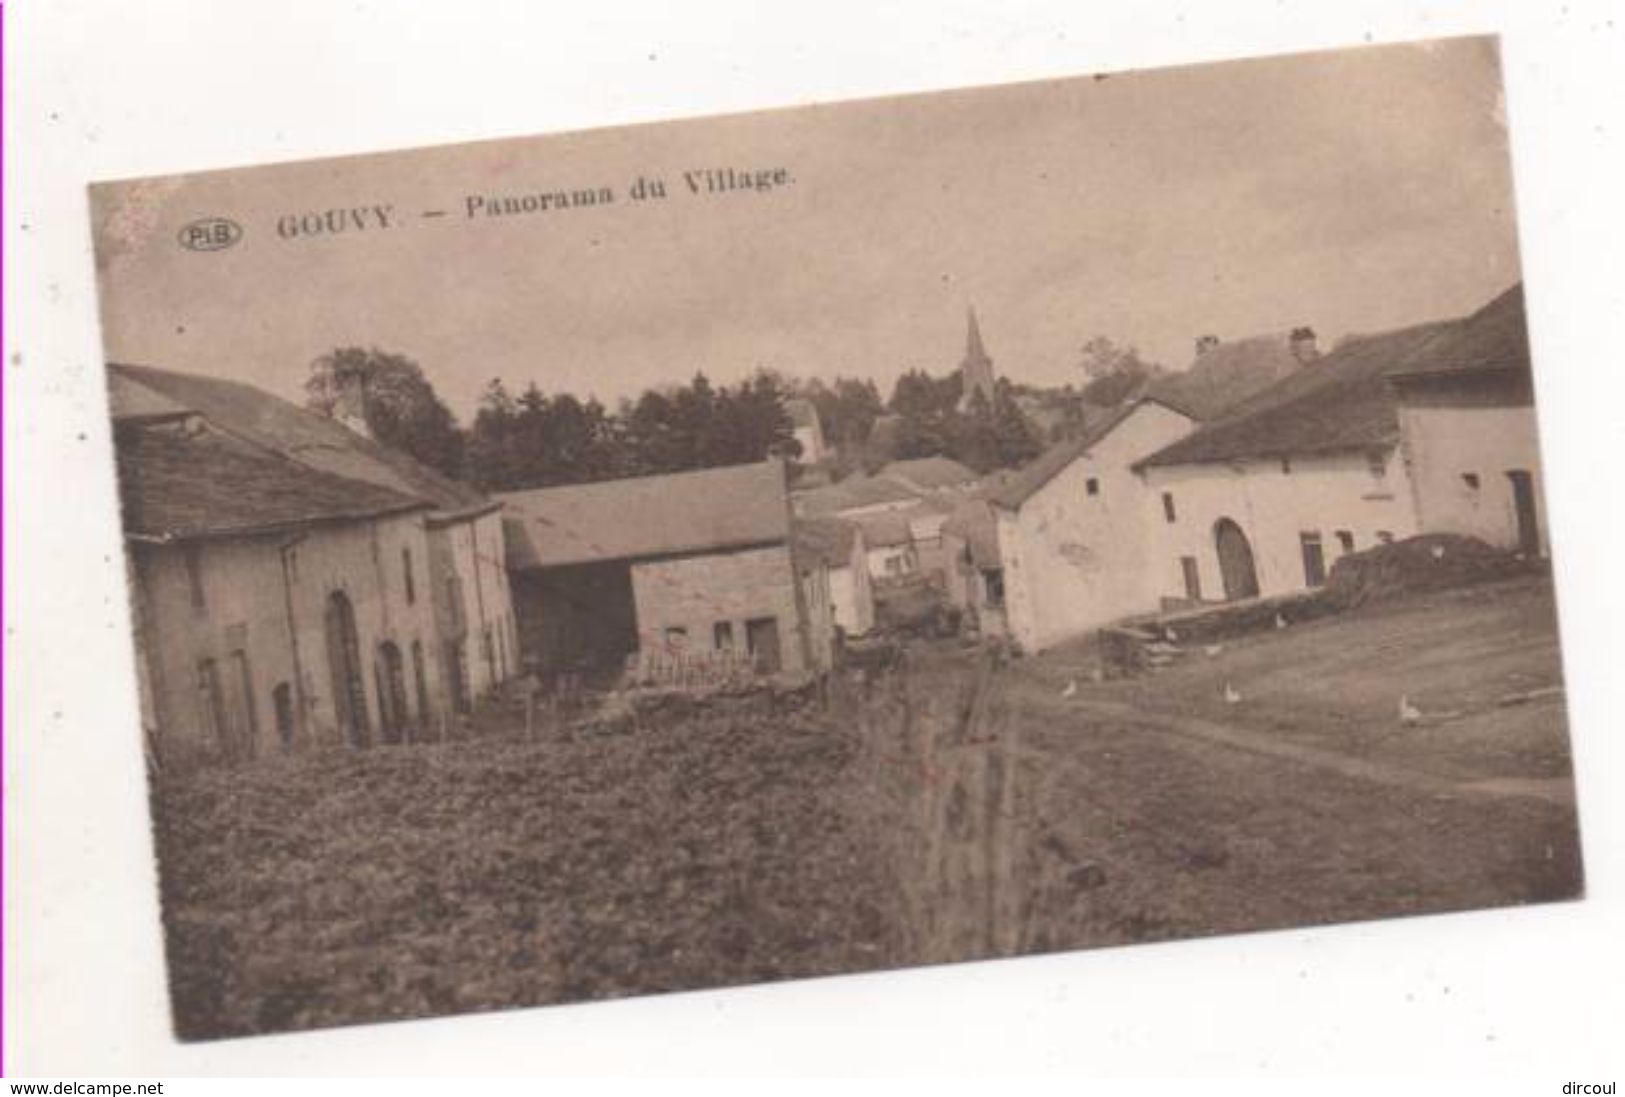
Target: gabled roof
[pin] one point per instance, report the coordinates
(681, 512)
(305, 436)
(928, 473)
(1025, 482)
(178, 482)
(1342, 402)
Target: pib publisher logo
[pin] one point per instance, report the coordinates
(210, 234)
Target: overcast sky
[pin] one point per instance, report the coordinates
(1351, 191)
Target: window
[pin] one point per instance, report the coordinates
(722, 635)
(193, 555)
(1471, 480)
(1345, 541)
(1168, 506)
(1377, 463)
(1092, 486)
(1314, 558)
(676, 636)
(411, 583)
(1193, 578)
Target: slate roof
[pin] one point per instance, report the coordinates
(1340, 403)
(305, 436)
(178, 483)
(928, 473)
(682, 512)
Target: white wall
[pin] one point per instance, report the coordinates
(1072, 560)
(1441, 444)
(1273, 507)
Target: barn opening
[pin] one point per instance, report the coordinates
(580, 617)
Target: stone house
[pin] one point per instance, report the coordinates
(475, 642)
(276, 607)
(674, 570)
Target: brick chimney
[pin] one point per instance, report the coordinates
(1302, 345)
(350, 403)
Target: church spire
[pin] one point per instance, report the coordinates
(976, 371)
(974, 351)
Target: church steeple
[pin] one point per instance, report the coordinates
(976, 371)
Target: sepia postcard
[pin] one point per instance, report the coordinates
(954, 526)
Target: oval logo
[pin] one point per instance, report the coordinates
(211, 234)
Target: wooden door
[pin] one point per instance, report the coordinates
(762, 639)
(1236, 565)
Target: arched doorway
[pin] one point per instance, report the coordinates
(393, 713)
(1235, 561)
(344, 663)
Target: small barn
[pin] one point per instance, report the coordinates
(684, 568)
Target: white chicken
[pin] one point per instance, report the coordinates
(1232, 696)
(1212, 649)
(1280, 620)
(1171, 635)
(1408, 713)
(1071, 689)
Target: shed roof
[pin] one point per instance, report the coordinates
(681, 512)
(178, 483)
(305, 436)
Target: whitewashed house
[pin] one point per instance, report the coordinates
(1074, 528)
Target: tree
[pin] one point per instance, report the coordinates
(399, 404)
(1114, 373)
